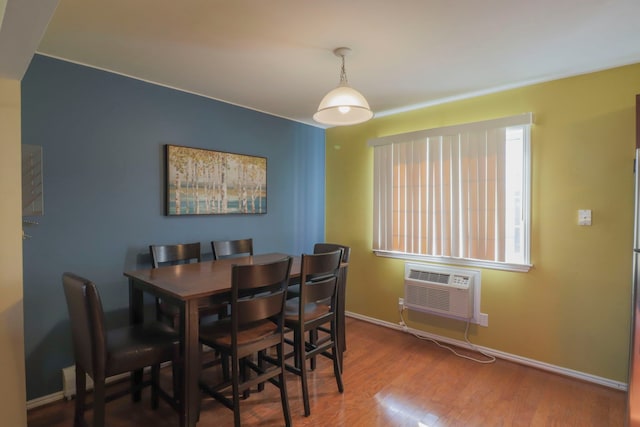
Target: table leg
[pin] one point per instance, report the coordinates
(136, 315)
(191, 365)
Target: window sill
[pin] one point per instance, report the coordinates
(521, 268)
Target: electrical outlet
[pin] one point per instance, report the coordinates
(400, 304)
(484, 319)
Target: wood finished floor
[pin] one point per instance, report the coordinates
(393, 379)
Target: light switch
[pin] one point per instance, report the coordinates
(584, 217)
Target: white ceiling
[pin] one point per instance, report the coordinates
(275, 56)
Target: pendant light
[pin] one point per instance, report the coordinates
(343, 105)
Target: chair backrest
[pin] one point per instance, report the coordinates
(320, 248)
(229, 248)
(174, 254)
(258, 291)
(86, 317)
(319, 277)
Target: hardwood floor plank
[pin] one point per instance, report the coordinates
(394, 379)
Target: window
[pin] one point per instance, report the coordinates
(458, 194)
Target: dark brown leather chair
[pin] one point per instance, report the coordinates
(256, 324)
(102, 353)
(231, 248)
(315, 308)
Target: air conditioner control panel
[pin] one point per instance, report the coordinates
(462, 281)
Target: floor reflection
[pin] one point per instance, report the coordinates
(405, 413)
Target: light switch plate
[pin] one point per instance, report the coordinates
(584, 217)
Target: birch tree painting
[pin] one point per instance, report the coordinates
(205, 182)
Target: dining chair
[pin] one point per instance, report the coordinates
(231, 248)
(161, 255)
(314, 308)
(294, 291)
(101, 353)
(319, 248)
(183, 253)
(256, 324)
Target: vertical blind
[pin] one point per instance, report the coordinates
(441, 192)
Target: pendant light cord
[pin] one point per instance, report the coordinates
(343, 74)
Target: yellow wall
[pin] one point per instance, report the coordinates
(12, 386)
(572, 309)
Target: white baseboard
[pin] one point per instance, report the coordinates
(44, 400)
(69, 386)
(500, 354)
(54, 397)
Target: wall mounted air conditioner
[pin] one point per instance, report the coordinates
(439, 290)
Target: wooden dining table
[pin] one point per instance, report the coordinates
(186, 285)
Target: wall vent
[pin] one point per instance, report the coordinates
(439, 290)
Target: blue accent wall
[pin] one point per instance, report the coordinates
(103, 137)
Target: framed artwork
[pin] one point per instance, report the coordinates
(207, 182)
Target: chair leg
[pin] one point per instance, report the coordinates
(283, 387)
(235, 390)
(176, 377)
(155, 383)
(98, 402)
(313, 339)
(337, 368)
(244, 374)
(136, 388)
(261, 367)
(303, 371)
(296, 352)
(81, 392)
(224, 362)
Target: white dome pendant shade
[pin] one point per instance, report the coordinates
(343, 105)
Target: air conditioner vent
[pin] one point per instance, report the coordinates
(429, 276)
(428, 297)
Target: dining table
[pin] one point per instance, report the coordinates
(186, 286)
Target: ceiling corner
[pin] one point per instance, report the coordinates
(22, 25)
